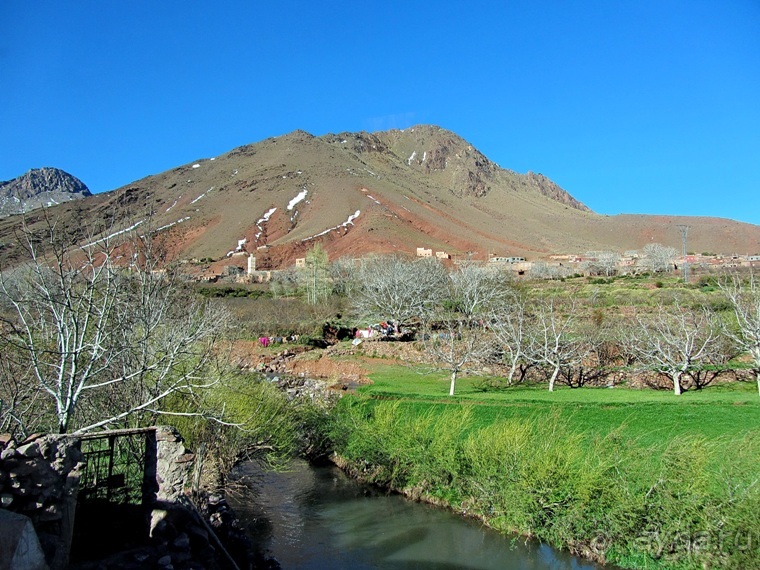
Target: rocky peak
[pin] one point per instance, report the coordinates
(435, 150)
(298, 135)
(359, 143)
(37, 188)
(549, 189)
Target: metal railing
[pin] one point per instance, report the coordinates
(114, 465)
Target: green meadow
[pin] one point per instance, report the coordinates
(638, 478)
(646, 415)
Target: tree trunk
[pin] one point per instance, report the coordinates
(512, 373)
(677, 383)
(553, 379)
(453, 382)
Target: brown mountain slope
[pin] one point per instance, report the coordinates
(363, 192)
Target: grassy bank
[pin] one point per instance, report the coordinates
(639, 478)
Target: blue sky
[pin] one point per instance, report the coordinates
(631, 106)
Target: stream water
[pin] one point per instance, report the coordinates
(316, 517)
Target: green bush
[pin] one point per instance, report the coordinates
(240, 417)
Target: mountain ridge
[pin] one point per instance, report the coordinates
(382, 192)
(39, 187)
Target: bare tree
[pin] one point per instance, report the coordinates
(552, 340)
(343, 276)
(674, 340)
(105, 333)
(453, 332)
(510, 323)
(315, 275)
(599, 351)
(454, 344)
(745, 302)
(544, 270)
(478, 289)
(658, 258)
(399, 288)
(603, 262)
(285, 283)
(21, 408)
(716, 363)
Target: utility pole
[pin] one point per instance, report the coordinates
(684, 229)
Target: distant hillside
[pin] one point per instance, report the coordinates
(382, 192)
(37, 188)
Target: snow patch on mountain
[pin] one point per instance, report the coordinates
(348, 222)
(201, 196)
(301, 196)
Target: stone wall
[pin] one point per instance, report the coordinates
(39, 478)
(174, 464)
(168, 470)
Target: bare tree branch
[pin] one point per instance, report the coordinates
(103, 319)
(674, 340)
(744, 297)
(399, 288)
(552, 340)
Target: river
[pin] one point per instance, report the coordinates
(317, 518)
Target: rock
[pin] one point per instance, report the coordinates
(182, 541)
(47, 450)
(215, 499)
(50, 513)
(215, 520)
(25, 468)
(33, 437)
(198, 534)
(186, 458)
(72, 479)
(180, 558)
(20, 546)
(10, 465)
(157, 522)
(18, 488)
(7, 453)
(29, 450)
(165, 433)
(33, 506)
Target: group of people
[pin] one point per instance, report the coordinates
(380, 329)
(265, 341)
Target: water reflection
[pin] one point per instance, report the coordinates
(316, 517)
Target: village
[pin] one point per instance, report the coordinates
(239, 266)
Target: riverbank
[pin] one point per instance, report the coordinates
(608, 498)
(635, 477)
(639, 478)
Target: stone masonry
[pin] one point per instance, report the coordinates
(39, 478)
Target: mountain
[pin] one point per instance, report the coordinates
(384, 192)
(37, 188)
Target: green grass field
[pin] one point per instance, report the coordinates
(649, 416)
(663, 481)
